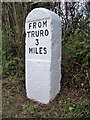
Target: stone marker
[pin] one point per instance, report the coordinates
(42, 55)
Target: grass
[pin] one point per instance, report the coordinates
(0, 99)
(69, 103)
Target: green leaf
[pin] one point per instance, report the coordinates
(71, 108)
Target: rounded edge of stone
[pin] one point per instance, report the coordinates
(41, 13)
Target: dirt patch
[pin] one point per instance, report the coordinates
(16, 105)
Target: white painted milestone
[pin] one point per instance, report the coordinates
(42, 55)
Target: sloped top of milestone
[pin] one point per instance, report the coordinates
(41, 13)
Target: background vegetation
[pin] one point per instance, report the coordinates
(73, 100)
